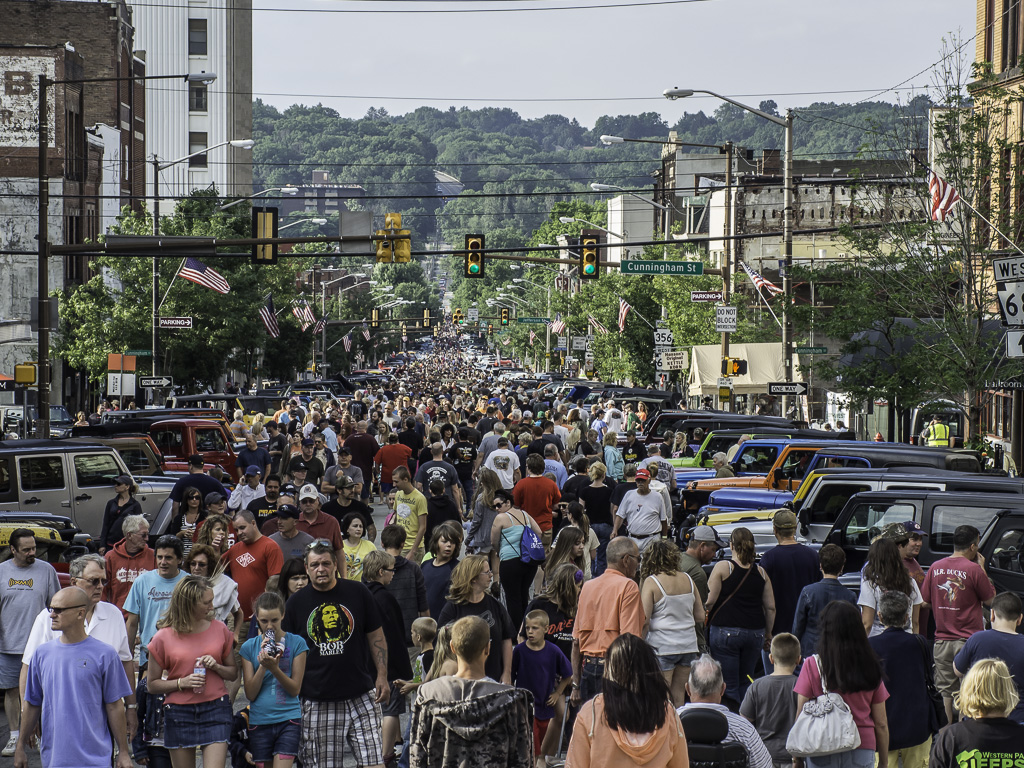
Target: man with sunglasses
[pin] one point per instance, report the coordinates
(103, 621)
(80, 688)
(26, 586)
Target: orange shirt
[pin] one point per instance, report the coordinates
(609, 606)
(537, 497)
(390, 457)
(251, 565)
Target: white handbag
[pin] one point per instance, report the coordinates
(824, 726)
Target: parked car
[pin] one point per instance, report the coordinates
(13, 423)
(674, 421)
(72, 478)
(721, 440)
(58, 540)
(141, 455)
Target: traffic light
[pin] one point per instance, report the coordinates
(384, 249)
(732, 366)
(264, 224)
(375, 318)
(436, 331)
(474, 255)
(490, 329)
(456, 316)
(504, 315)
(426, 318)
(590, 254)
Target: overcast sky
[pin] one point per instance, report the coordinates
(586, 63)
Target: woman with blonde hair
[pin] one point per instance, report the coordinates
(597, 501)
(987, 695)
(613, 456)
(673, 609)
(741, 613)
(196, 652)
(468, 596)
(575, 431)
(215, 532)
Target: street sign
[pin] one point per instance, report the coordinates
(148, 382)
(662, 337)
(1015, 343)
(176, 322)
(679, 268)
(532, 320)
(723, 382)
(812, 350)
(672, 361)
(473, 315)
(1010, 297)
(1008, 269)
(579, 343)
(725, 319)
(7, 385)
(706, 296)
(787, 388)
(140, 352)
(563, 341)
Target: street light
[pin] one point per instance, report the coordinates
(290, 191)
(43, 271)
(787, 217)
(317, 222)
(157, 167)
(547, 326)
(571, 220)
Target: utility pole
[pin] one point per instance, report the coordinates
(43, 283)
(787, 254)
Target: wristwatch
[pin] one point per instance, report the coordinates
(131, 706)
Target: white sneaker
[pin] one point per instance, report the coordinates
(8, 751)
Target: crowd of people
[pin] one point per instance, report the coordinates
(523, 598)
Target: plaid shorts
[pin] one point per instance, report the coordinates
(328, 725)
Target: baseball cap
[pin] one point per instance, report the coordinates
(784, 520)
(299, 465)
(122, 480)
(196, 460)
(343, 482)
(288, 510)
(895, 531)
(643, 474)
(527, 414)
(289, 489)
(308, 492)
(707, 533)
(253, 470)
(213, 497)
(307, 442)
(914, 528)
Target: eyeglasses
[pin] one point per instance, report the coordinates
(194, 498)
(389, 570)
(98, 582)
(59, 611)
(318, 543)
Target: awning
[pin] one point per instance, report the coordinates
(764, 364)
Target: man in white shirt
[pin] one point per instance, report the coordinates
(706, 688)
(642, 511)
(505, 463)
(248, 491)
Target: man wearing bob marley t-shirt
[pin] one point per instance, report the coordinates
(346, 671)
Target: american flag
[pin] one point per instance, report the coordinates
(346, 342)
(366, 333)
(319, 326)
(532, 337)
(944, 196)
(558, 326)
(199, 273)
(304, 314)
(623, 311)
(506, 341)
(759, 282)
(269, 317)
(596, 325)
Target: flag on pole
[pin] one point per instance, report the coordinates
(319, 326)
(623, 311)
(304, 314)
(944, 196)
(532, 337)
(269, 317)
(596, 325)
(366, 333)
(199, 273)
(558, 326)
(759, 282)
(346, 341)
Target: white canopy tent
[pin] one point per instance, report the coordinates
(764, 364)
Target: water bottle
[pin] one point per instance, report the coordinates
(199, 669)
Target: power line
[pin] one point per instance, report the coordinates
(429, 11)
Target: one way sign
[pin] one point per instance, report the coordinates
(147, 382)
(787, 388)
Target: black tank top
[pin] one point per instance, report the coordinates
(744, 609)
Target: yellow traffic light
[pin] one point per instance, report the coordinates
(403, 247)
(426, 318)
(590, 254)
(504, 315)
(264, 225)
(385, 254)
(490, 329)
(375, 318)
(474, 255)
(392, 221)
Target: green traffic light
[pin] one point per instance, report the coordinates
(474, 268)
(589, 269)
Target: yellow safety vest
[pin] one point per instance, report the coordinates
(938, 435)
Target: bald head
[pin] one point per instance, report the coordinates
(620, 549)
(360, 426)
(69, 596)
(436, 449)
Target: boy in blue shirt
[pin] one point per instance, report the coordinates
(273, 679)
(541, 667)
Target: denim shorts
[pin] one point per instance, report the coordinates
(272, 739)
(669, 661)
(196, 725)
(395, 705)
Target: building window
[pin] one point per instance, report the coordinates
(197, 37)
(197, 97)
(197, 142)
(989, 25)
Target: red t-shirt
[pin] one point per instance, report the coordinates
(537, 496)
(251, 566)
(956, 587)
(859, 702)
(178, 653)
(390, 457)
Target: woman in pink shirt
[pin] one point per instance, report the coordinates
(195, 650)
(850, 668)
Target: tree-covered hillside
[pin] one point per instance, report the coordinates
(515, 169)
